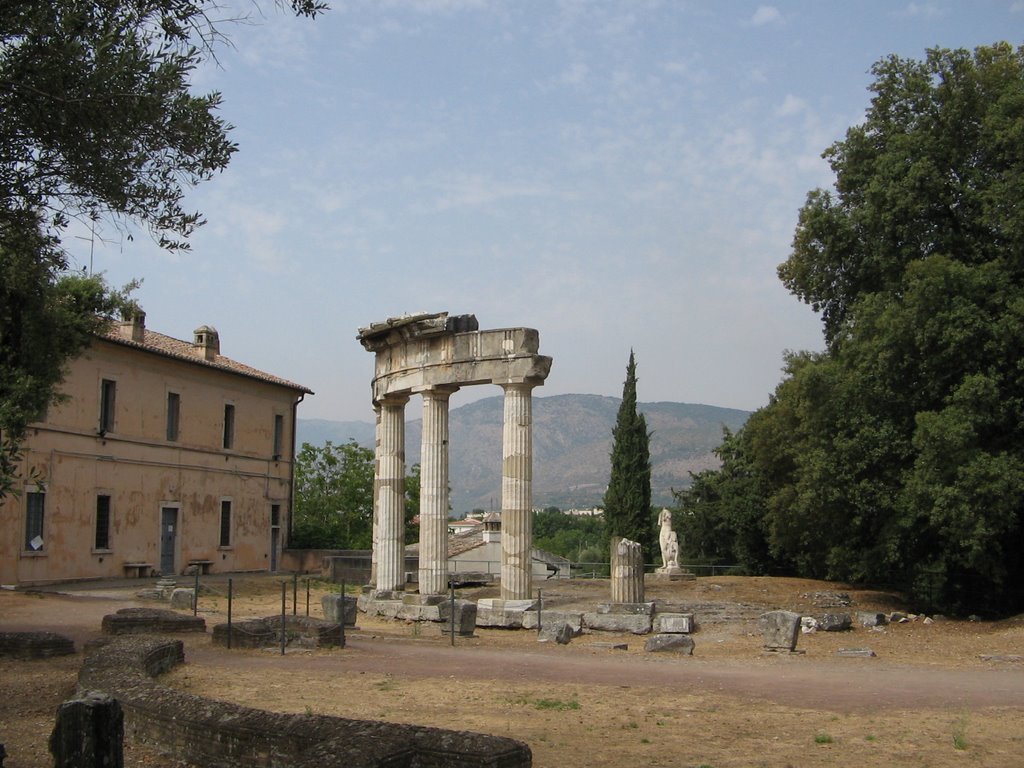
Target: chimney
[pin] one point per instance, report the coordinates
(206, 342)
(134, 327)
(492, 528)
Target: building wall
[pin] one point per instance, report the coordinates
(144, 473)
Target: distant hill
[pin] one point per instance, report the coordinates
(572, 440)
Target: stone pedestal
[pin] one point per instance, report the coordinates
(673, 573)
(627, 571)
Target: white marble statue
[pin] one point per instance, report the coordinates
(668, 540)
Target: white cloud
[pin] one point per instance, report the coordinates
(1017, 7)
(922, 10)
(765, 14)
(791, 105)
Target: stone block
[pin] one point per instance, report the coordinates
(183, 598)
(674, 623)
(637, 608)
(780, 629)
(414, 612)
(835, 622)
(573, 619)
(557, 632)
(676, 643)
(330, 604)
(855, 652)
(89, 732)
(638, 624)
(465, 618)
(872, 619)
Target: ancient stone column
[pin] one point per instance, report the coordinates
(627, 571)
(389, 487)
(517, 493)
(376, 496)
(433, 571)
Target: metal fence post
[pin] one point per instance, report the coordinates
(195, 595)
(284, 597)
(341, 613)
(307, 597)
(229, 614)
(540, 608)
(295, 594)
(451, 586)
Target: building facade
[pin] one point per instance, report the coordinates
(163, 455)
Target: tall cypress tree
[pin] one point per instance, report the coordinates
(627, 502)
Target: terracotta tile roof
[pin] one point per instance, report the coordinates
(168, 346)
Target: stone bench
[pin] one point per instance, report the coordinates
(202, 565)
(139, 570)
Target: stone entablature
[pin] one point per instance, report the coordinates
(420, 352)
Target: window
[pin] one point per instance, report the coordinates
(102, 522)
(278, 434)
(229, 426)
(275, 515)
(225, 523)
(35, 504)
(173, 412)
(108, 397)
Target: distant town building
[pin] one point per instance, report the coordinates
(165, 455)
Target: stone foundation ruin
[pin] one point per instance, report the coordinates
(222, 735)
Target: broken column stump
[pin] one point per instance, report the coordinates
(89, 733)
(627, 572)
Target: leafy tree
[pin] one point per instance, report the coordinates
(897, 455)
(333, 497)
(579, 538)
(412, 504)
(97, 121)
(627, 502)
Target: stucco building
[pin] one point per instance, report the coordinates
(164, 454)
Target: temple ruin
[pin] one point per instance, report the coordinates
(434, 355)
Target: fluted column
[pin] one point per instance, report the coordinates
(433, 574)
(390, 489)
(376, 496)
(517, 493)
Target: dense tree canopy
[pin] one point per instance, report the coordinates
(897, 455)
(627, 502)
(333, 497)
(97, 121)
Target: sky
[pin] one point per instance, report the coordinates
(617, 175)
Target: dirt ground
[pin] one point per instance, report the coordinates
(944, 693)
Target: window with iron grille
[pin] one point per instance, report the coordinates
(225, 523)
(278, 434)
(108, 399)
(102, 540)
(35, 506)
(229, 426)
(173, 415)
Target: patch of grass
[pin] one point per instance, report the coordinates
(870, 737)
(387, 684)
(960, 733)
(645, 740)
(553, 705)
(822, 738)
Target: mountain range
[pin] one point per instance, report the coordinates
(572, 442)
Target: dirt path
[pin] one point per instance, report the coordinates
(844, 685)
